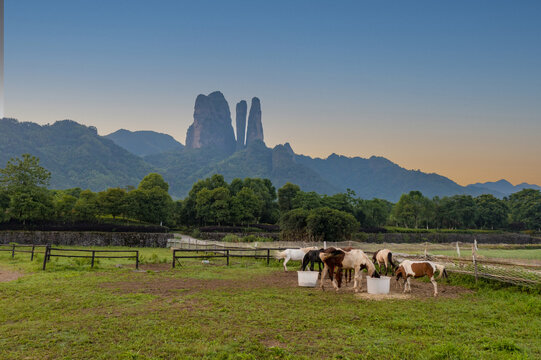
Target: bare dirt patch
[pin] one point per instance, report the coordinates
(176, 286)
(419, 289)
(8, 275)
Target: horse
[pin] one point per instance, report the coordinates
(354, 259)
(384, 257)
(293, 254)
(312, 257)
(417, 269)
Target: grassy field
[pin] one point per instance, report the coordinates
(247, 311)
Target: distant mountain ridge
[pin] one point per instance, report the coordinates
(142, 143)
(503, 187)
(78, 157)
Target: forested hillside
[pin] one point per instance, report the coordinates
(75, 154)
(143, 143)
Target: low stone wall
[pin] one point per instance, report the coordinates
(85, 238)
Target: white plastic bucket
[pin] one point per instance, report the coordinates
(308, 278)
(378, 285)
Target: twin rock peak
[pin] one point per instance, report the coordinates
(212, 124)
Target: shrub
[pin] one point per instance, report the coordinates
(231, 238)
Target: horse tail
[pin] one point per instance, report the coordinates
(280, 255)
(445, 275)
(390, 258)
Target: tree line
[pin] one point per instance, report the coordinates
(24, 197)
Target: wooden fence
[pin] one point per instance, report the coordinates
(209, 252)
(22, 248)
(61, 252)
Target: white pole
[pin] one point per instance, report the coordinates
(457, 249)
(1, 59)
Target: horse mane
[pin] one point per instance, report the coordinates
(374, 257)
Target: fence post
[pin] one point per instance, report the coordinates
(426, 250)
(13, 251)
(227, 257)
(173, 264)
(268, 256)
(32, 256)
(93, 255)
(45, 256)
(474, 255)
(457, 249)
(136, 259)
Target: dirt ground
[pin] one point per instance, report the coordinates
(173, 286)
(6, 275)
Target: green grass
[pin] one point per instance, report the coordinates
(73, 312)
(533, 254)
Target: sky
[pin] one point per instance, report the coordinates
(450, 87)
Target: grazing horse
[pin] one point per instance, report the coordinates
(293, 254)
(312, 257)
(344, 260)
(416, 269)
(384, 257)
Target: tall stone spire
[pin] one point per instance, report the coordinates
(242, 109)
(211, 124)
(255, 127)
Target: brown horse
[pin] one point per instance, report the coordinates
(417, 269)
(344, 260)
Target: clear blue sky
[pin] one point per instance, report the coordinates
(452, 87)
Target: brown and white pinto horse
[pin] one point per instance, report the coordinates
(416, 269)
(384, 257)
(344, 260)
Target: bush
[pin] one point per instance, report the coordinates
(231, 238)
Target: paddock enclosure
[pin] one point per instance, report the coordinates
(252, 309)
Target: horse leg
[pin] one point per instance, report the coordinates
(325, 267)
(285, 262)
(433, 281)
(357, 280)
(312, 265)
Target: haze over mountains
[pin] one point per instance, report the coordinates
(78, 157)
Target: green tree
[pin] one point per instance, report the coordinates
(64, 207)
(491, 212)
(412, 209)
(330, 225)
(4, 205)
(245, 206)
(112, 201)
(293, 224)
(86, 206)
(33, 204)
(525, 208)
(153, 180)
(25, 181)
(22, 174)
(286, 196)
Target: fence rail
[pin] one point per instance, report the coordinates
(49, 253)
(223, 253)
(15, 248)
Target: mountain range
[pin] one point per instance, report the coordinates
(78, 157)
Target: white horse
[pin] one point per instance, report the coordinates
(293, 254)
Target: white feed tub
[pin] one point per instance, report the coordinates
(308, 278)
(378, 285)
